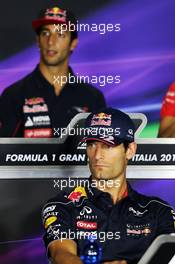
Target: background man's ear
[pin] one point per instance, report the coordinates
(74, 43)
(37, 41)
(132, 147)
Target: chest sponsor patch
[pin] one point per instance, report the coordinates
(38, 133)
(37, 121)
(34, 101)
(35, 105)
(138, 230)
(35, 108)
(86, 214)
(86, 225)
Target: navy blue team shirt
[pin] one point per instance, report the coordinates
(124, 230)
(30, 108)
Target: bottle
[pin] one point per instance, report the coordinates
(92, 252)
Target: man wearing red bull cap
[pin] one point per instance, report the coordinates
(129, 221)
(50, 96)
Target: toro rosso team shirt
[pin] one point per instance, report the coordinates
(168, 105)
(124, 230)
(30, 108)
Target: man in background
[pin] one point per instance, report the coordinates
(46, 100)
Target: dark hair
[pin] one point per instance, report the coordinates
(70, 18)
(126, 144)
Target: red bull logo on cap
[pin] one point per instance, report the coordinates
(56, 13)
(56, 10)
(77, 193)
(101, 119)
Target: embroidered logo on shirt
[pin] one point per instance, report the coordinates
(87, 225)
(35, 105)
(38, 133)
(86, 213)
(50, 221)
(37, 121)
(35, 108)
(137, 212)
(138, 230)
(49, 209)
(77, 193)
(34, 101)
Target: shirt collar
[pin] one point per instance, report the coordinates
(94, 193)
(41, 77)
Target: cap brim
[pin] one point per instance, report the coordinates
(100, 140)
(41, 22)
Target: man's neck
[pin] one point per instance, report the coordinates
(55, 75)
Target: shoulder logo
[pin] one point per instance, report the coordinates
(50, 221)
(77, 193)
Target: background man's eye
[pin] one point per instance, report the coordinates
(62, 35)
(45, 33)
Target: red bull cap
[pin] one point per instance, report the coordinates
(110, 126)
(55, 15)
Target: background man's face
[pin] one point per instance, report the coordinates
(55, 46)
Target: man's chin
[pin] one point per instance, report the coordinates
(101, 176)
(51, 63)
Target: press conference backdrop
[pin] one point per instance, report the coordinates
(141, 54)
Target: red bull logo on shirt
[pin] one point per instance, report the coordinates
(34, 101)
(77, 193)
